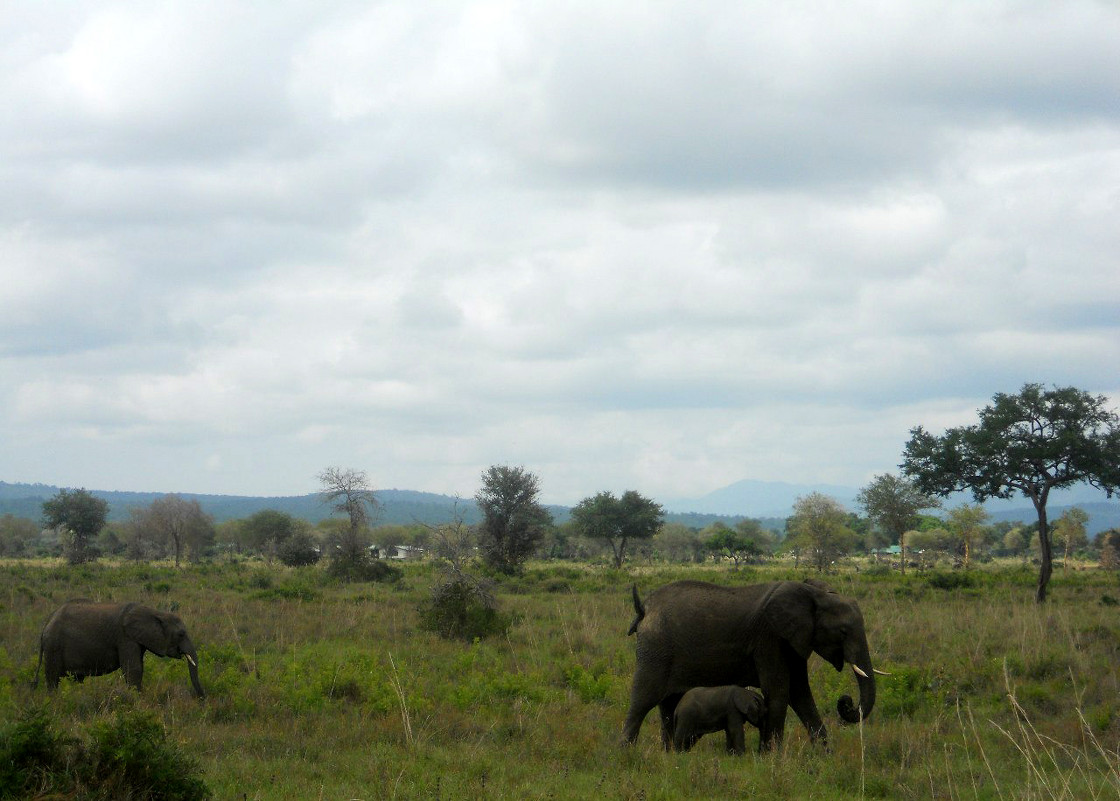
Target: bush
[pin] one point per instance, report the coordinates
(365, 568)
(127, 757)
(298, 550)
(462, 607)
(950, 581)
(29, 752)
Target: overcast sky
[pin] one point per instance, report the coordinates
(661, 246)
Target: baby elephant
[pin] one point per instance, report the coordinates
(84, 638)
(703, 710)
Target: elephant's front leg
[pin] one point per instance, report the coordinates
(775, 688)
(132, 663)
(804, 706)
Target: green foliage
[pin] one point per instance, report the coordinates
(462, 607)
(299, 549)
(617, 520)
(942, 580)
(82, 516)
(126, 757)
(1028, 443)
(360, 566)
(513, 520)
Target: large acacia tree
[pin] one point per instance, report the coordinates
(618, 520)
(513, 520)
(1029, 443)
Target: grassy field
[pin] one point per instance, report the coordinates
(321, 690)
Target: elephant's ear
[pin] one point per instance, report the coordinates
(789, 611)
(144, 626)
(749, 703)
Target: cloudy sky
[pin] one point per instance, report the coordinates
(661, 246)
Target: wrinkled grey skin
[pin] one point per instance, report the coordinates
(83, 638)
(705, 710)
(695, 634)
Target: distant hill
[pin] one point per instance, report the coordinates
(398, 507)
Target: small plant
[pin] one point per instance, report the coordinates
(30, 750)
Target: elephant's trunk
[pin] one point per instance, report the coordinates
(192, 666)
(860, 660)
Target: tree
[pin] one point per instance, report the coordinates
(1109, 544)
(16, 535)
(818, 527)
(267, 530)
(179, 523)
(1031, 443)
(735, 546)
(1069, 531)
(81, 516)
(966, 524)
(513, 520)
(617, 520)
(348, 491)
(893, 504)
(676, 542)
(300, 547)
(1017, 542)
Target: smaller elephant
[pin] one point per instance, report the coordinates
(704, 710)
(83, 638)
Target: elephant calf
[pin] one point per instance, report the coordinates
(83, 638)
(704, 710)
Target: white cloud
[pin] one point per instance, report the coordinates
(655, 247)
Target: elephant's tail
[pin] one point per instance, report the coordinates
(639, 610)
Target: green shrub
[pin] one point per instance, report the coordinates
(463, 608)
(126, 757)
(298, 550)
(30, 752)
(130, 757)
(949, 581)
(365, 568)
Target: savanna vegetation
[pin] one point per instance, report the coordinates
(323, 688)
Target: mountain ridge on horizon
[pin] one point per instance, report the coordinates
(769, 501)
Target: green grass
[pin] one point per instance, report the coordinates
(324, 690)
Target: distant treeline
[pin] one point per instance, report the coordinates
(398, 507)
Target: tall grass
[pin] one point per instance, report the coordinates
(326, 690)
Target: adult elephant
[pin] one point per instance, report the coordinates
(695, 634)
(83, 638)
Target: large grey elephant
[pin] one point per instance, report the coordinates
(706, 710)
(695, 634)
(83, 638)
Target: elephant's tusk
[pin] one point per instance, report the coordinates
(859, 672)
(191, 660)
(881, 672)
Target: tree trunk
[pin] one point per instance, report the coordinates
(1046, 569)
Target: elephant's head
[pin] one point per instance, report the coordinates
(750, 704)
(164, 634)
(812, 617)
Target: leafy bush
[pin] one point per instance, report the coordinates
(298, 550)
(130, 757)
(462, 607)
(949, 581)
(127, 757)
(363, 568)
(29, 752)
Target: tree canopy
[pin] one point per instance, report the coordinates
(1030, 442)
(818, 525)
(82, 515)
(513, 520)
(618, 520)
